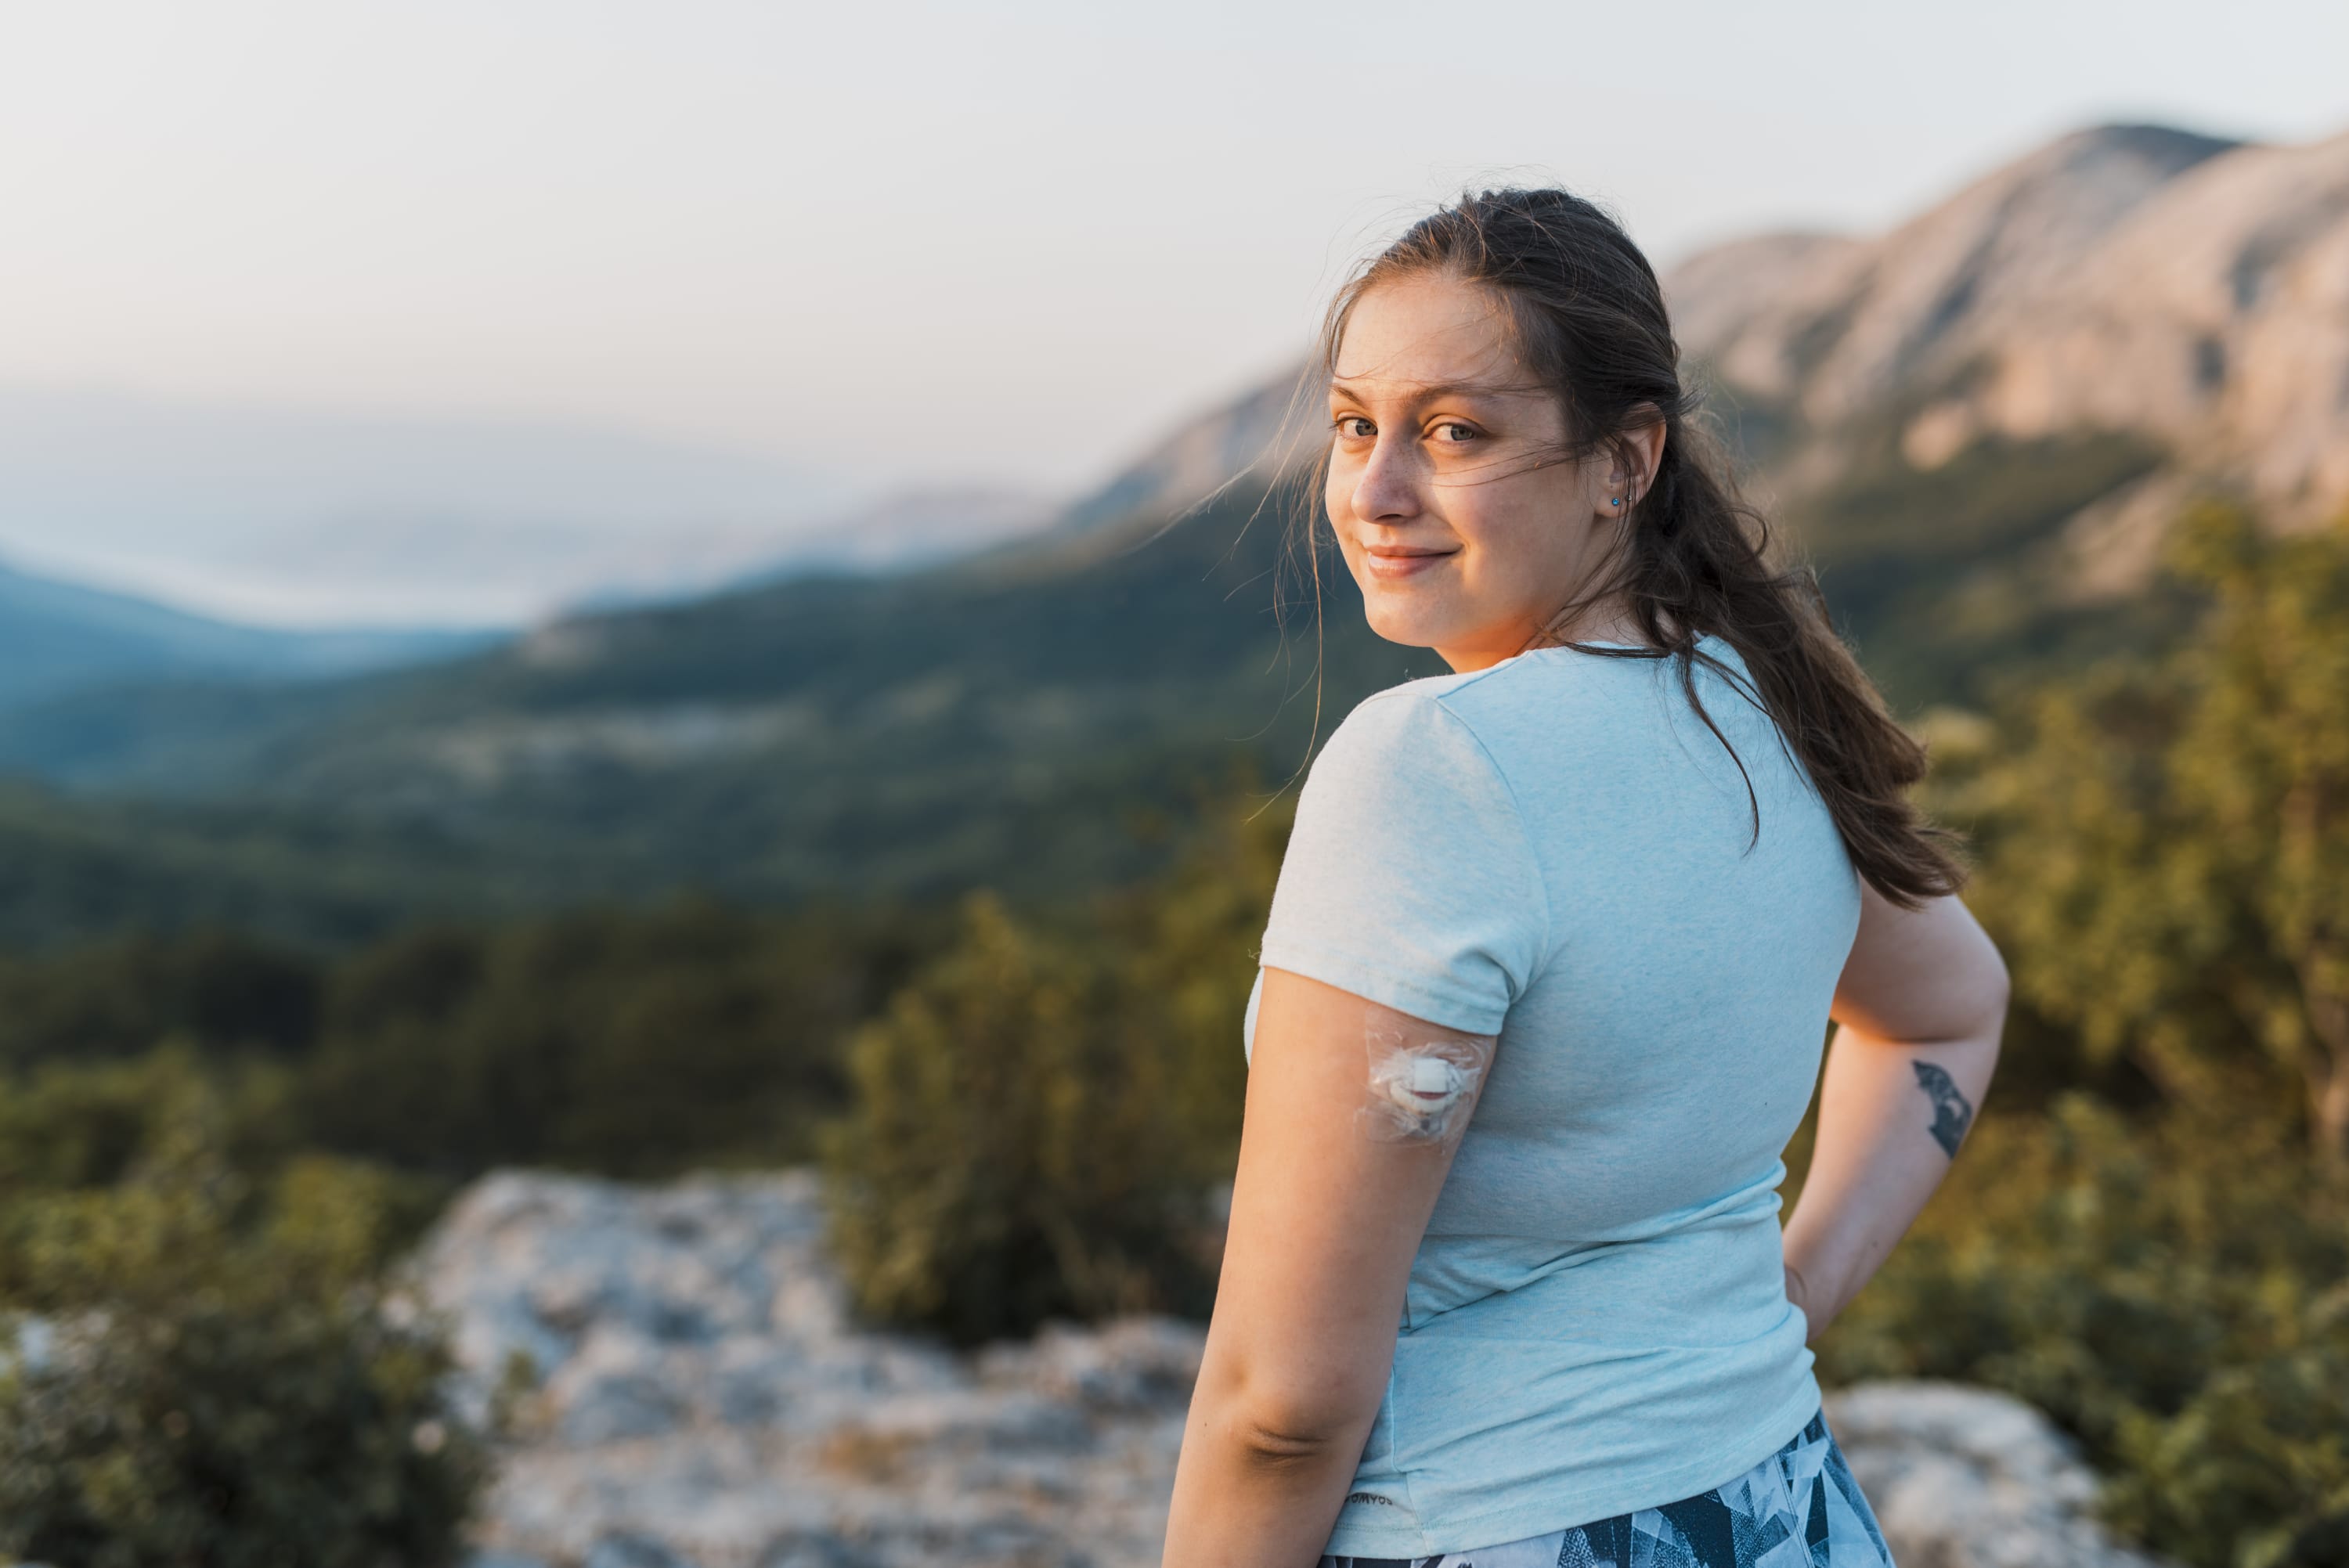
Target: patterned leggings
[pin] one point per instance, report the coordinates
(1800, 1508)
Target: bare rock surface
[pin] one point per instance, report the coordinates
(687, 1390)
(2128, 278)
(1848, 325)
(1964, 1477)
(695, 1393)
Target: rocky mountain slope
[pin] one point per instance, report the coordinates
(691, 1391)
(2186, 291)
(1835, 325)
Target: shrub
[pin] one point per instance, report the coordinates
(218, 1383)
(87, 1124)
(1010, 1156)
(2173, 1290)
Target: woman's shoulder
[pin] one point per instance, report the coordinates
(1409, 877)
(1403, 731)
(1548, 693)
(1534, 671)
(1405, 762)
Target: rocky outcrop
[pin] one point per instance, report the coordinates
(1851, 322)
(2128, 278)
(2215, 317)
(1964, 1477)
(684, 1386)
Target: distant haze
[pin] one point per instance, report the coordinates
(272, 514)
(716, 269)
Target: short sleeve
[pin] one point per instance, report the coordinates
(1410, 878)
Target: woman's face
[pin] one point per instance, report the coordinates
(1465, 529)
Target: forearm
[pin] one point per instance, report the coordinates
(1249, 1497)
(1892, 1114)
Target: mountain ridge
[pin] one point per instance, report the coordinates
(2184, 289)
(58, 637)
(998, 719)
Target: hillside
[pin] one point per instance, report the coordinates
(81, 868)
(59, 637)
(1005, 719)
(1019, 715)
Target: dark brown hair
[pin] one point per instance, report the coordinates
(1587, 317)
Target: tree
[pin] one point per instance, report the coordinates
(2170, 847)
(1011, 1156)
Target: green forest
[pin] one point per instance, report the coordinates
(218, 1127)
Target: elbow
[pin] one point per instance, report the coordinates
(1280, 1427)
(1277, 1442)
(1973, 984)
(1997, 992)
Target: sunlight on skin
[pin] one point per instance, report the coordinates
(1466, 530)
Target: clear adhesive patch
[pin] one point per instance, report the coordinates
(1421, 1090)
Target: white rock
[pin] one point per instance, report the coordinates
(705, 1399)
(633, 1552)
(1964, 1477)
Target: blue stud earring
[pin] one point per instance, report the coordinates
(1617, 501)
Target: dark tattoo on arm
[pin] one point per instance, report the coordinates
(1952, 1113)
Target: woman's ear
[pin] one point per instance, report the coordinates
(1639, 453)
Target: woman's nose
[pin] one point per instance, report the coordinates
(1387, 488)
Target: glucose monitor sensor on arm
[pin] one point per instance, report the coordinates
(1421, 1090)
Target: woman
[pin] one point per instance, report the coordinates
(1545, 980)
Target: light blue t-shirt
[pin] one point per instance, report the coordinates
(1556, 848)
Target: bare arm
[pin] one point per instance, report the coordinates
(1918, 1011)
(1327, 1213)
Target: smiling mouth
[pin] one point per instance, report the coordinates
(1394, 561)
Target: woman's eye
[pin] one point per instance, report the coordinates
(1354, 427)
(1454, 433)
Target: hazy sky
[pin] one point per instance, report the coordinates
(899, 243)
